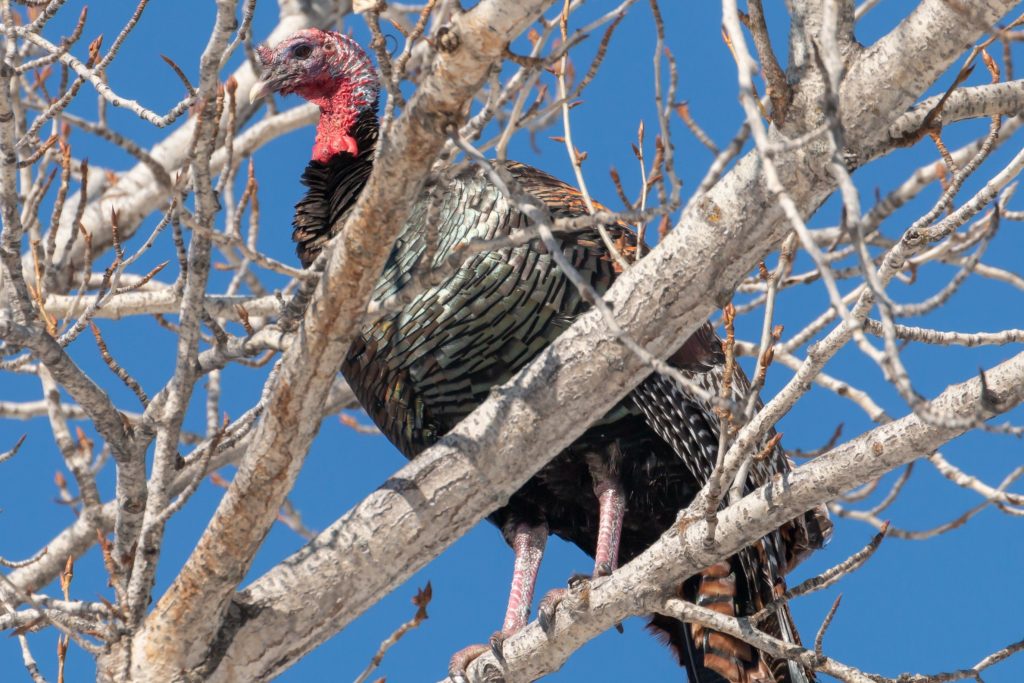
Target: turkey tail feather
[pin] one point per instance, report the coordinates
(787, 669)
(677, 635)
(754, 577)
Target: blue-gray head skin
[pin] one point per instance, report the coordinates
(328, 69)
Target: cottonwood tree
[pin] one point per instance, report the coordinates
(75, 234)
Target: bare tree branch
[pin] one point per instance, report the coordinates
(838, 107)
(979, 101)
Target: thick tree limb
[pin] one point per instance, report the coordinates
(166, 301)
(966, 103)
(915, 40)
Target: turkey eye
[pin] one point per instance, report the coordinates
(302, 51)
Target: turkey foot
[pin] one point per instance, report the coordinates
(528, 543)
(546, 609)
(463, 658)
(578, 584)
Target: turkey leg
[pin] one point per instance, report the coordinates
(611, 509)
(611, 502)
(528, 544)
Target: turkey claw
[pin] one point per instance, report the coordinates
(496, 642)
(578, 582)
(462, 659)
(546, 609)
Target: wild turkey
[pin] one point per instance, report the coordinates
(420, 371)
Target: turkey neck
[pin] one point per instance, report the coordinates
(348, 173)
(334, 186)
(363, 129)
(338, 128)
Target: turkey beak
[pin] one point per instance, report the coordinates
(273, 80)
(269, 80)
(260, 90)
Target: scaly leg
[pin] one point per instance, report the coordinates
(528, 544)
(611, 501)
(611, 509)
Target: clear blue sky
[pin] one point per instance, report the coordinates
(922, 607)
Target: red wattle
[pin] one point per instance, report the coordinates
(324, 149)
(347, 143)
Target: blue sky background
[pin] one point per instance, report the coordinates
(917, 606)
